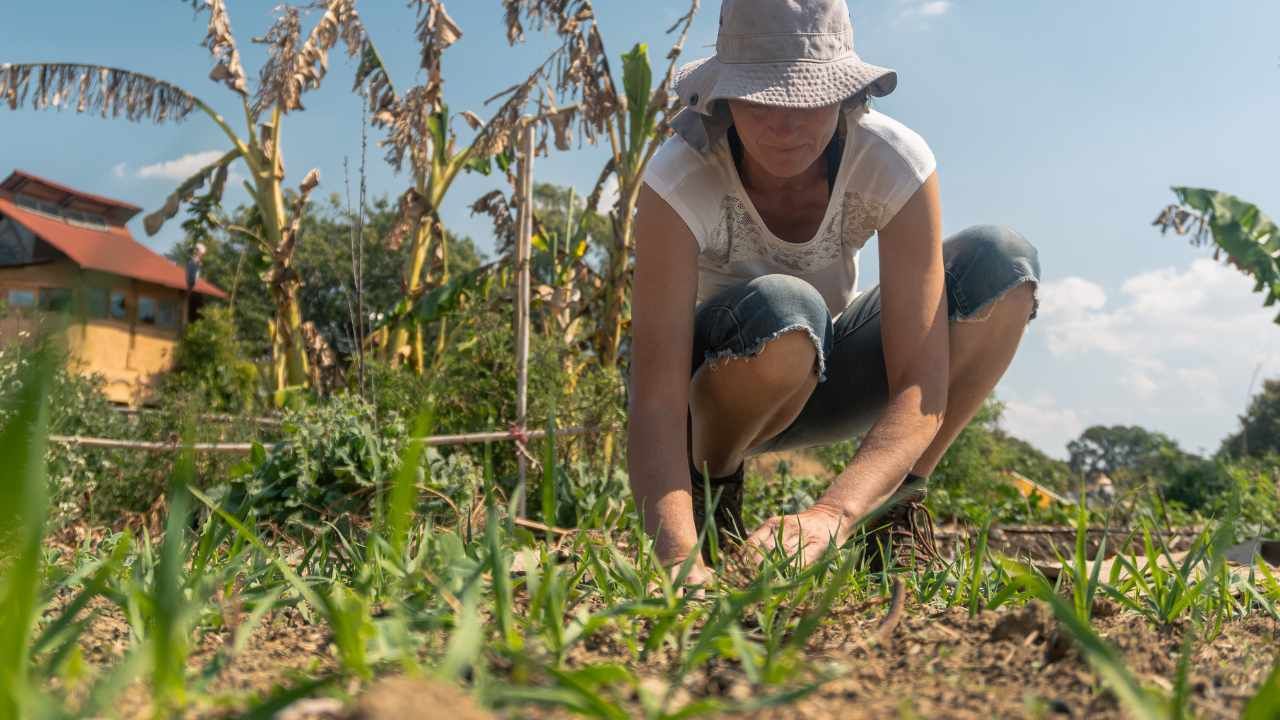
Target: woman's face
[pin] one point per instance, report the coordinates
(785, 141)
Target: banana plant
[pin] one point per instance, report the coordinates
(564, 285)
(295, 64)
(1250, 239)
(635, 124)
(419, 129)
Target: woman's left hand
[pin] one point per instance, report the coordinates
(810, 532)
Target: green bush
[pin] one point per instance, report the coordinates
(335, 458)
(1257, 482)
(783, 494)
(210, 363)
(78, 477)
(330, 459)
(836, 456)
(475, 389)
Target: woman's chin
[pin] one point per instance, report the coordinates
(787, 168)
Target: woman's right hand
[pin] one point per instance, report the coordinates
(699, 579)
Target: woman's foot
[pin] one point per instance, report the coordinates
(903, 535)
(728, 510)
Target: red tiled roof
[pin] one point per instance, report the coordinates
(111, 249)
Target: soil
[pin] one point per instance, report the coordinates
(934, 663)
(799, 464)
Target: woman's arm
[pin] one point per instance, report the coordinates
(664, 294)
(915, 334)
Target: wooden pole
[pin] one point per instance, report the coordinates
(245, 448)
(523, 240)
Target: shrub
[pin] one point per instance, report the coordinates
(210, 363)
(335, 458)
(784, 494)
(475, 389)
(1257, 482)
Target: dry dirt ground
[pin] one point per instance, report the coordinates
(935, 664)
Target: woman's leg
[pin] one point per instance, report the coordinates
(991, 275)
(980, 353)
(727, 420)
(757, 357)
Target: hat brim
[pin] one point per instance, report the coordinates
(783, 84)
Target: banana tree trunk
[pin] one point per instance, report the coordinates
(288, 350)
(289, 331)
(619, 279)
(407, 330)
(443, 329)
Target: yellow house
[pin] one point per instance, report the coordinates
(1028, 487)
(62, 250)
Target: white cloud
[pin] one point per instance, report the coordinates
(1173, 350)
(119, 170)
(608, 195)
(1070, 297)
(923, 9)
(1042, 423)
(181, 168)
(1206, 308)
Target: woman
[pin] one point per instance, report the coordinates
(746, 322)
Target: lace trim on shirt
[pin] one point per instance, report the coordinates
(738, 238)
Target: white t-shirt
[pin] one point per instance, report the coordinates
(883, 164)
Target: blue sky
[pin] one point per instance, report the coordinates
(1066, 121)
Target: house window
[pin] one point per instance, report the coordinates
(55, 299)
(167, 315)
(96, 303)
(119, 308)
(146, 310)
(17, 244)
(22, 298)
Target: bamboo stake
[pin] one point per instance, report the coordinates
(244, 448)
(149, 446)
(523, 238)
(210, 417)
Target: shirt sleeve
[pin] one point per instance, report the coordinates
(672, 175)
(901, 161)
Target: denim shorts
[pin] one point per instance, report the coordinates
(982, 264)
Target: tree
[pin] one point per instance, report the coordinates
(1189, 479)
(323, 262)
(1115, 449)
(420, 130)
(294, 65)
(635, 124)
(1259, 433)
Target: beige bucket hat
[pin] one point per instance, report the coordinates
(786, 53)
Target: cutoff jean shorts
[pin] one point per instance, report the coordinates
(982, 264)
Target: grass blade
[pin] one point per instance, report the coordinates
(1105, 660)
(1265, 704)
(23, 504)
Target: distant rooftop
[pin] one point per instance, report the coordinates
(22, 183)
(90, 230)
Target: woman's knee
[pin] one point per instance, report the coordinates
(996, 242)
(753, 318)
(788, 293)
(777, 363)
(1001, 266)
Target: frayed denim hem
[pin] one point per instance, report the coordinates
(759, 348)
(1035, 300)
